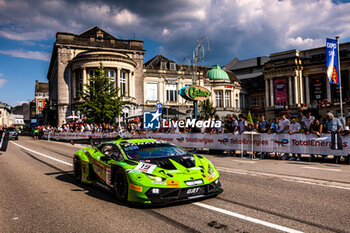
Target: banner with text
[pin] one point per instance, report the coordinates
(282, 143)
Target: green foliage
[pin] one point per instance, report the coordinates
(207, 109)
(101, 102)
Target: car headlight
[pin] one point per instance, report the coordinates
(210, 169)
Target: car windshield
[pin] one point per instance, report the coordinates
(142, 151)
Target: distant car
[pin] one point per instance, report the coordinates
(13, 133)
(147, 171)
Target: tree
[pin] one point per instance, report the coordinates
(207, 109)
(101, 103)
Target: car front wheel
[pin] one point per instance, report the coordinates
(121, 185)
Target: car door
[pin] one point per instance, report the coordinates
(101, 166)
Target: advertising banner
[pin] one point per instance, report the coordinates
(332, 61)
(280, 86)
(281, 143)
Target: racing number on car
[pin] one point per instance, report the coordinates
(193, 191)
(146, 167)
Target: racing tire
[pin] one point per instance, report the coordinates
(121, 185)
(77, 169)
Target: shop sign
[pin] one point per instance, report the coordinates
(195, 93)
(228, 86)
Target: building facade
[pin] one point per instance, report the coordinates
(5, 115)
(250, 73)
(76, 57)
(296, 80)
(163, 78)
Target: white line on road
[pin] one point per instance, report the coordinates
(324, 185)
(320, 168)
(41, 154)
(225, 170)
(250, 219)
(243, 161)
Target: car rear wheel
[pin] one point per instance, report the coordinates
(121, 185)
(77, 169)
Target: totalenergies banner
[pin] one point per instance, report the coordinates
(282, 143)
(332, 61)
(280, 86)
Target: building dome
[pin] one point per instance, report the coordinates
(216, 73)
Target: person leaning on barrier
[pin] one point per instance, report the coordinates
(283, 127)
(294, 127)
(234, 125)
(316, 127)
(263, 125)
(242, 124)
(307, 120)
(274, 126)
(346, 131)
(334, 126)
(283, 124)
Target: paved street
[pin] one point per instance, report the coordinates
(39, 194)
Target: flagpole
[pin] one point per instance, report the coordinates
(340, 87)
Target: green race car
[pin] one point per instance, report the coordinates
(147, 171)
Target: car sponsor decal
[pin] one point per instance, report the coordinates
(193, 191)
(108, 176)
(99, 170)
(209, 177)
(146, 167)
(132, 171)
(172, 183)
(194, 182)
(158, 182)
(135, 187)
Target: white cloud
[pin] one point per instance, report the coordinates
(242, 28)
(25, 36)
(21, 102)
(2, 82)
(27, 54)
(125, 18)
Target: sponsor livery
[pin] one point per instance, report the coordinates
(283, 142)
(223, 141)
(147, 171)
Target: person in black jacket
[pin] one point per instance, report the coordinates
(4, 138)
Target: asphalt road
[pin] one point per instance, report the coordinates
(39, 194)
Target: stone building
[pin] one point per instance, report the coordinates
(163, 78)
(296, 80)
(40, 101)
(75, 58)
(5, 115)
(250, 73)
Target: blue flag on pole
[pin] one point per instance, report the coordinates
(332, 61)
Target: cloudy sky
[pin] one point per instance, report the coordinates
(235, 28)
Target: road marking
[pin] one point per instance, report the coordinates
(243, 161)
(320, 168)
(230, 171)
(312, 183)
(247, 218)
(41, 154)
